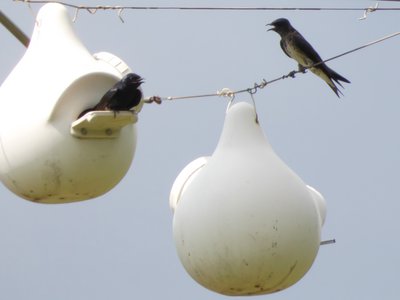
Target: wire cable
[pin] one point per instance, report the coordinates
(110, 7)
(252, 90)
(226, 92)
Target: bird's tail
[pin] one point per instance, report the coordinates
(335, 76)
(335, 88)
(331, 77)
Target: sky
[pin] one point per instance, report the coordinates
(120, 245)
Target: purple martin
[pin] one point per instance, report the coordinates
(296, 46)
(124, 95)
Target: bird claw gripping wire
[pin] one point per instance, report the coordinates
(302, 69)
(369, 10)
(290, 74)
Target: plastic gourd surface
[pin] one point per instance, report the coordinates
(244, 222)
(55, 80)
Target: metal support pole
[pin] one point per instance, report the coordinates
(18, 33)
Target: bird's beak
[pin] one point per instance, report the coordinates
(273, 28)
(139, 81)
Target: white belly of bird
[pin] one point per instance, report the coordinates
(298, 56)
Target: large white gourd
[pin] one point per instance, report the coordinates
(244, 223)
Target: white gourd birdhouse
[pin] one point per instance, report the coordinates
(244, 223)
(46, 155)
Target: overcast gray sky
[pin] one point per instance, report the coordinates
(120, 246)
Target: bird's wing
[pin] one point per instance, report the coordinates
(105, 100)
(305, 47)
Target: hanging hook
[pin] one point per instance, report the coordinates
(227, 92)
(75, 15)
(252, 92)
(369, 10)
(232, 97)
(120, 10)
(32, 12)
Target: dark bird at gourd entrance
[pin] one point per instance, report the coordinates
(124, 95)
(296, 46)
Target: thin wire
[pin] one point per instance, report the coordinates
(363, 46)
(240, 8)
(257, 86)
(264, 83)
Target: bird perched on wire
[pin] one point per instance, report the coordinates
(124, 95)
(296, 46)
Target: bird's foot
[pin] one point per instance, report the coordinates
(302, 69)
(115, 113)
(292, 74)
